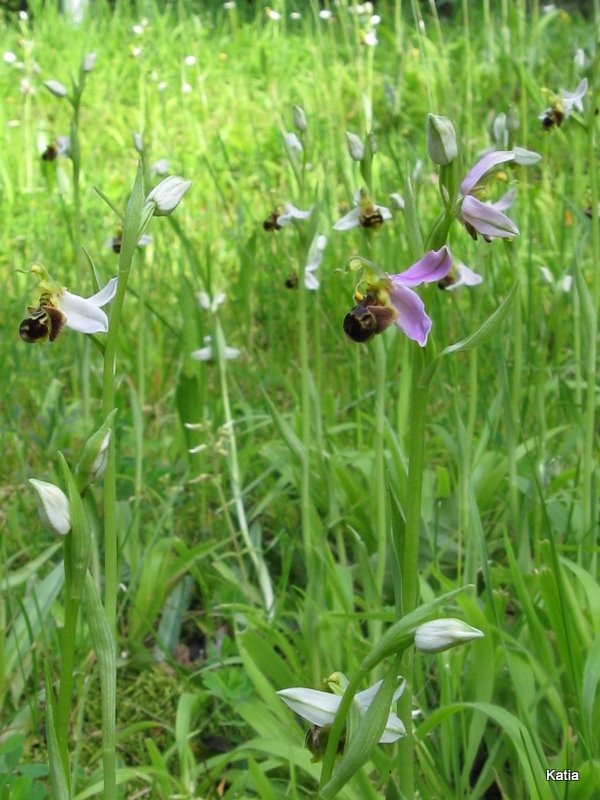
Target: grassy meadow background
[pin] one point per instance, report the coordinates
(510, 485)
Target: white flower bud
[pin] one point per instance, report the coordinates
(441, 140)
(442, 634)
(300, 122)
(138, 142)
(53, 506)
(57, 88)
(168, 194)
(89, 62)
(356, 147)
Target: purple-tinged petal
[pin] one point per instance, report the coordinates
(412, 319)
(505, 202)
(434, 266)
(487, 220)
(482, 167)
(350, 220)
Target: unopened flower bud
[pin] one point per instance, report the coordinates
(53, 506)
(441, 140)
(355, 146)
(89, 62)
(57, 88)
(300, 122)
(94, 456)
(138, 142)
(168, 194)
(442, 634)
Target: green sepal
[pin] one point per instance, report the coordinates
(78, 542)
(132, 221)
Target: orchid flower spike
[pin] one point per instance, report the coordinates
(486, 218)
(365, 213)
(384, 299)
(320, 708)
(58, 308)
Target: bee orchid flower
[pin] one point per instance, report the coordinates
(384, 299)
(320, 708)
(58, 308)
(365, 213)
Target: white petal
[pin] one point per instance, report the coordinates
(319, 708)
(203, 354)
(574, 99)
(218, 300)
(292, 142)
(394, 729)
(310, 281)
(290, 213)
(547, 276)
(464, 277)
(105, 295)
(566, 284)
(82, 316)
(385, 212)
(350, 220)
(231, 353)
(53, 506)
(203, 300)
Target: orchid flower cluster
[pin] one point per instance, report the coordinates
(383, 299)
(320, 708)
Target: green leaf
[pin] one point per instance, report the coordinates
(413, 229)
(474, 339)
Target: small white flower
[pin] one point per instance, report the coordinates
(229, 5)
(206, 353)
(25, 86)
(442, 634)
(325, 14)
(210, 305)
(136, 52)
(56, 88)
(398, 201)
(375, 20)
(53, 506)
(574, 100)
(319, 708)
(162, 86)
(138, 142)
(138, 30)
(274, 16)
(365, 213)
(168, 194)
(315, 256)
(190, 61)
(464, 277)
(23, 16)
(292, 142)
(160, 167)
(580, 59)
(370, 39)
(564, 284)
(89, 62)
(186, 88)
(290, 213)
(9, 58)
(295, 15)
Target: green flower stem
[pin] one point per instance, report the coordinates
(255, 554)
(67, 665)
(380, 489)
(590, 437)
(409, 568)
